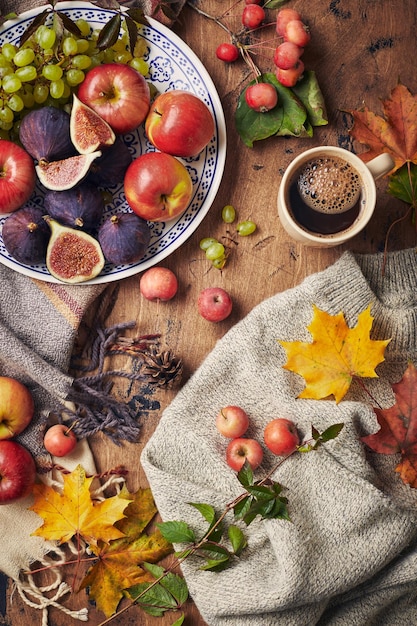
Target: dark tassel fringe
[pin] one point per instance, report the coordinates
(96, 410)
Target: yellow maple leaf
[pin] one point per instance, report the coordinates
(118, 565)
(74, 513)
(336, 355)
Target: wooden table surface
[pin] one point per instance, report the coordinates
(359, 50)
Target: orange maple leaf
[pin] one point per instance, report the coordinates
(396, 133)
(74, 513)
(118, 565)
(336, 355)
(398, 427)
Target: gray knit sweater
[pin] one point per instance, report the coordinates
(349, 555)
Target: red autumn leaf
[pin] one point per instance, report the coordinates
(395, 133)
(398, 427)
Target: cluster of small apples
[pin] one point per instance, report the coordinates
(280, 437)
(289, 67)
(160, 284)
(287, 56)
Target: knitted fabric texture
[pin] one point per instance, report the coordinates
(349, 554)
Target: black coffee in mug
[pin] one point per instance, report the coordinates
(325, 195)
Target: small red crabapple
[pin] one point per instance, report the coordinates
(241, 449)
(252, 16)
(289, 78)
(287, 54)
(261, 97)
(297, 32)
(283, 17)
(227, 52)
(158, 283)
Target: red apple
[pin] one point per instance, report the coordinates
(59, 440)
(17, 472)
(241, 449)
(17, 176)
(118, 93)
(281, 436)
(157, 186)
(214, 304)
(158, 283)
(232, 421)
(16, 406)
(179, 123)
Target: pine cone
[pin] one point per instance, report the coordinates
(161, 367)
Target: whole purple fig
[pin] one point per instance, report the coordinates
(124, 238)
(26, 235)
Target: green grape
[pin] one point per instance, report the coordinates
(81, 61)
(140, 48)
(24, 56)
(215, 251)
(8, 51)
(246, 228)
(228, 214)
(6, 125)
(206, 242)
(52, 71)
(11, 83)
(27, 73)
(108, 55)
(69, 46)
(123, 57)
(45, 37)
(40, 92)
(74, 77)
(120, 45)
(83, 45)
(28, 99)
(139, 65)
(56, 89)
(84, 27)
(16, 103)
(5, 71)
(3, 61)
(6, 115)
(219, 263)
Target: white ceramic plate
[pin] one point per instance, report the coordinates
(172, 65)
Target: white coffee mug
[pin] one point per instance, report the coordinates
(314, 236)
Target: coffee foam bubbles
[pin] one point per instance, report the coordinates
(329, 185)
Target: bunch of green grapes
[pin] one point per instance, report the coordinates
(46, 69)
(215, 251)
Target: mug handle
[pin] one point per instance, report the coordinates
(380, 165)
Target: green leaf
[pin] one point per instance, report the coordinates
(109, 33)
(309, 92)
(242, 507)
(295, 114)
(245, 474)
(137, 15)
(403, 184)
(176, 532)
(132, 31)
(237, 539)
(174, 583)
(261, 493)
(274, 4)
(35, 23)
(216, 565)
(154, 600)
(179, 621)
(206, 510)
(214, 548)
(68, 23)
(331, 433)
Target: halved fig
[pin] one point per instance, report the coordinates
(89, 132)
(73, 256)
(66, 173)
(45, 134)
